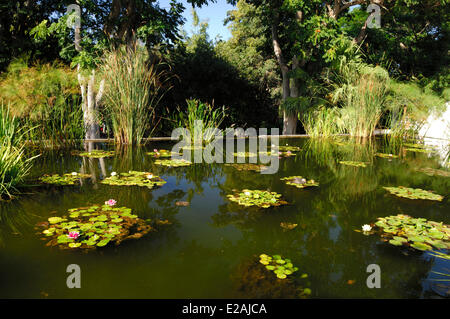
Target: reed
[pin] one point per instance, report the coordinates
(133, 88)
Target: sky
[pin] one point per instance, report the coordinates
(214, 13)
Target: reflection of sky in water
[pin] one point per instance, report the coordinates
(334, 229)
(438, 279)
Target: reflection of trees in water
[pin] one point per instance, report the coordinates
(252, 280)
(15, 219)
(197, 174)
(327, 248)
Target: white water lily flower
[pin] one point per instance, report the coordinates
(113, 174)
(367, 228)
(150, 176)
(247, 193)
(74, 173)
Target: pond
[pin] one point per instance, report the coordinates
(204, 245)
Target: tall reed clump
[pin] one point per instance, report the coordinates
(210, 117)
(362, 92)
(322, 122)
(133, 88)
(14, 166)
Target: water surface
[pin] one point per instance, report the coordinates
(204, 252)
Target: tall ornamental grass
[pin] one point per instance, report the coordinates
(362, 92)
(322, 122)
(133, 88)
(14, 164)
(196, 110)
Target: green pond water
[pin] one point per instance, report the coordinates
(211, 248)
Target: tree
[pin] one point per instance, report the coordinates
(17, 18)
(108, 23)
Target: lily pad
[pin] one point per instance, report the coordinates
(287, 148)
(100, 228)
(162, 153)
(245, 154)
(66, 179)
(353, 163)
(248, 167)
(299, 181)
(96, 154)
(389, 156)
(263, 199)
(417, 233)
(133, 178)
(434, 172)
(280, 267)
(413, 193)
(173, 163)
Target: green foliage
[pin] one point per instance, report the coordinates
(97, 154)
(173, 163)
(299, 181)
(66, 179)
(133, 178)
(210, 117)
(353, 163)
(262, 199)
(362, 92)
(409, 105)
(133, 88)
(281, 267)
(322, 122)
(94, 226)
(14, 163)
(434, 172)
(417, 233)
(413, 193)
(45, 98)
(248, 167)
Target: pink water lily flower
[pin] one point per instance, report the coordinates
(73, 235)
(155, 150)
(111, 202)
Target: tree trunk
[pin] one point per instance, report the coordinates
(289, 120)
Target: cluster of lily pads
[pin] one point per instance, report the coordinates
(417, 233)
(248, 167)
(389, 156)
(66, 179)
(161, 153)
(281, 267)
(245, 154)
(173, 163)
(434, 172)
(97, 154)
(134, 178)
(299, 181)
(94, 226)
(287, 148)
(263, 199)
(413, 193)
(353, 163)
